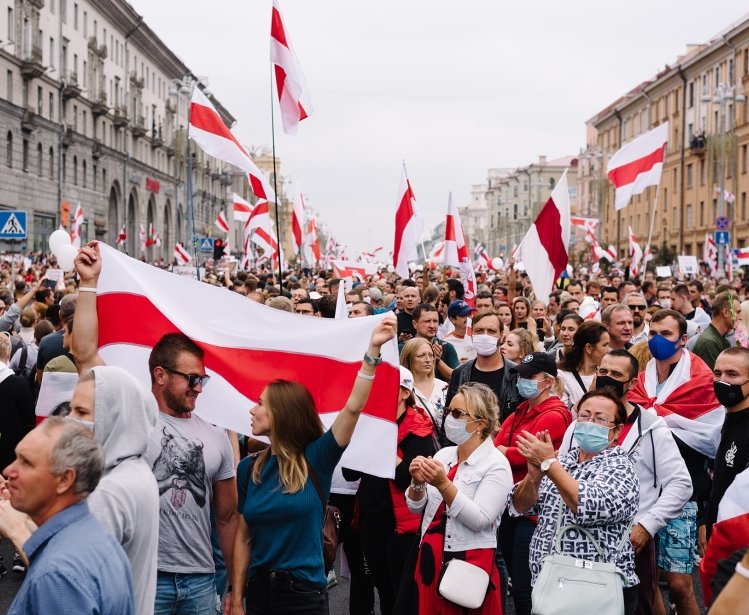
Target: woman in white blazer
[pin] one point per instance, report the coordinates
(462, 493)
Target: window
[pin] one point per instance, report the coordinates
(85, 74)
(75, 118)
(51, 52)
(702, 213)
(85, 24)
(93, 176)
(551, 183)
(25, 155)
(11, 26)
(743, 158)
(743, 205)
(702, 172)
(84, 123)
(103, 179)
(675, 215)
(690, 95)
(64, 10)
(689, 175)
(39, 100)
(51, 162)
(75, 16)
(52, 6)
(730, 71)
(715, 209)
(9, 85)
(689, 215)
(9, 150)
(75, 170)
(83, 171)
(64, 167)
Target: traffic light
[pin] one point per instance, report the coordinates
(218, 249)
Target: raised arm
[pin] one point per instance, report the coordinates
(343, 426)
(86, 338)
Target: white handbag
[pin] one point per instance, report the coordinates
(464, 584)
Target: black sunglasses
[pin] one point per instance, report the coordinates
(456, 413)
(193, 380)
(639, 308)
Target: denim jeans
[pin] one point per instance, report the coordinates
(185, 594)
(277, 592)
(514, 536)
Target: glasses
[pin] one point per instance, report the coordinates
(456, 413)
(425, 355)
(598, 420)
(193, 380)
(639, 308)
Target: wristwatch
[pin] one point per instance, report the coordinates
(373, 361)
(546, 464)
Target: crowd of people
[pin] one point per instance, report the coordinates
(547, 447)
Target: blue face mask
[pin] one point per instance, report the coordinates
(591, 437)
(527, 388)
(662, 348)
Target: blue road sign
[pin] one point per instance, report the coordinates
(206, 244)
(722, 238)
(722, 223)
(13, 225)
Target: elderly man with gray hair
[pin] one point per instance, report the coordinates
(75, 565)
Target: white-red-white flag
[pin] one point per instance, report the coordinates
(635, 254)
(349, 269)
(183, 256)
(710, 254)
(729, 262)
(293, 93)
(249, 338)
(408, 227)
(142, 238)
(742, 255)
(258, 229)
(587, 224)
(297, 221)
(221, 222)
(75, 229)
(122, 236)
(544, 247)
(456, 251)
(208, 130)
(438, 252)
(242, 209)
(312, 252)
(638, 164)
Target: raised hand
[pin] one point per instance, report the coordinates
(88, 263)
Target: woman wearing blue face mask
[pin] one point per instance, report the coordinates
(594, 486)
(542, 410)
(462, 493)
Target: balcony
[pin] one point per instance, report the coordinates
(97, 151)
(99, 105)
(99, 50)
(139, 127)
(170, 151)
(698, 144)
(71, 88)
(120, 117)
(28, 122)
(137, 82)
(68, 137)
(31, 67)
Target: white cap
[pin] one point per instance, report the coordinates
(407, 379)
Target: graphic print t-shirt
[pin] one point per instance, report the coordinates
(187, 456)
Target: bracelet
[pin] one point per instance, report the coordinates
(743, 571)
(87, 289)
(445, 487)
(364, 376)
(417, 486)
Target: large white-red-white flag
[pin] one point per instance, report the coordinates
(208, 130)
(222, 223)
(544, 247)
(293, 93)
(456, 251)
(635, 254)
(75, 230)
(248, 345)
(408, 227)
(638, 164)
(297, 221)
(242, 208)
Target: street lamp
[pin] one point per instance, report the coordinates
(724, 93)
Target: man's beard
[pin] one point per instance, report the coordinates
(637, 321)
(175, 403)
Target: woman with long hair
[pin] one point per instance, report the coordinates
(429, 391)
(577, 368)
(461, 494)
(540, 386)
(282, 515)
(565, 329)
(521, 312)
(518, 343)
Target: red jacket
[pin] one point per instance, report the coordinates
(551, 415)
(418, 424)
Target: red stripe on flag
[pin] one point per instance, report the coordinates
(403, 215)
(627, 173)
(450, 234)
(208, 120)
(549, 229)
(277, 31)
(248, 370)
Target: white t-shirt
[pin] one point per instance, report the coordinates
(572, 390)
(463, 346)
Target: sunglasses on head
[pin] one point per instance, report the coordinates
(193, 380)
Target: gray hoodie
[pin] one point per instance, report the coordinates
(126, 500)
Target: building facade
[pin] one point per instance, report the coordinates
(702, 96)
(94, 110)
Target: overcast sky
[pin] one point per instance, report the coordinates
(451, 87)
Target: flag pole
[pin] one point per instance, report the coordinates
(275, 185)
(421, 239)
(188, 187)
(652, 222)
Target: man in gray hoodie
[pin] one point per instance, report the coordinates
(121, 412)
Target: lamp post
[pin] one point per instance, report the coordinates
(724, 93)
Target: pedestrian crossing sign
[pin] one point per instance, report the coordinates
(206, 244)
(12, 225)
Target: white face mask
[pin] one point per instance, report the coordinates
(485, 345)
(455, 430)
(87, 424)
(666, 304)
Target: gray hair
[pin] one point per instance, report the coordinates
(76, 449)
(67, 306)
(5, 347)
(634, 293)
(608, 313)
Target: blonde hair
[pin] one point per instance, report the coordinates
(527, 339)
(408, 354)
(481, 404)
(641, 352)
(558, 387)
(294, 424)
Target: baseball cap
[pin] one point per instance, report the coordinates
(536, 363)
(459, 308)
(375, 293)
(407, 379)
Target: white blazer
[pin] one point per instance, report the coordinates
(484, 481)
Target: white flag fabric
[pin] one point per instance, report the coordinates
(242, 208)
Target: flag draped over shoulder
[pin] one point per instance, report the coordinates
(248, 345)
(686, 402)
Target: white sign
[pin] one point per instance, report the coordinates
(55, 274)
(187, 271)
(663, 271)
(688, 265)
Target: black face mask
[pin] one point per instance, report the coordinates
(729, 394)
(607, 382)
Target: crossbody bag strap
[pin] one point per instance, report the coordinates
(313, 476)
(559, 531)
(579, 381)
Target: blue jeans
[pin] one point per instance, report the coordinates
(185, 594)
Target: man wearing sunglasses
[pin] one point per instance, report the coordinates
(638, 305)
(191, 459)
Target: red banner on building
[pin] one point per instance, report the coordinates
(153, 185)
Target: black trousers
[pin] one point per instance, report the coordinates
(277, 592)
